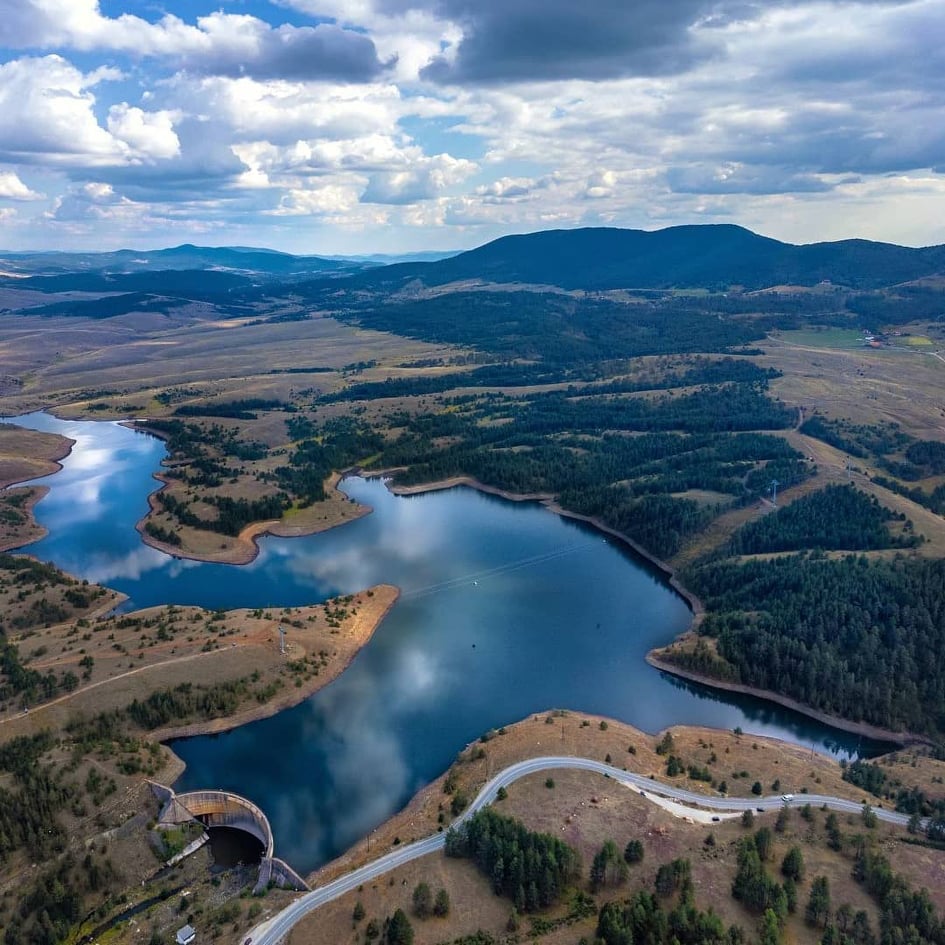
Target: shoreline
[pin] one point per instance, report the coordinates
(286, 698)
(902, 739)
(248, 549)
(695, 605)
(39, 532)
(548, 501)
(531, 737)
(36, 532)
(55, 460)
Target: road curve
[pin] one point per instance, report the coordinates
(275, 929)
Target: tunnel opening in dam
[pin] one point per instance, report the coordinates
(231, 847)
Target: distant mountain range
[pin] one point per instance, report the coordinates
(243, 260)
(708, 256)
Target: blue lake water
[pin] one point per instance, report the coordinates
(506, 609)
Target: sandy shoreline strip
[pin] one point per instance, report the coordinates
(356, 634)
(549, 502)
(857, 728)
(248, 549)
(694, 603)
(52, 461)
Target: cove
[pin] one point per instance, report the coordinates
(506, 610)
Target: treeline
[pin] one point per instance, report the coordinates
(531, 869)
(873, 778)
(557, 329)
(164, 535)
(191, 441)
(233, 515)
(507, 374)
(18, 681)
(934, 500)
(659, 523)
(899, 306)
(187, 701)
(643, 918)
(846, 636)
(29, 810)
(518, 374)
(53, 903)
(567, 446)
(836, 517)
(860, 440)
(29, 685)
(894, 451)
(715, 409)
(27, 571)
(337, 444)
(234, 409)
(906, 917)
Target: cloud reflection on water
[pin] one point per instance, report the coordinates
(505, 610)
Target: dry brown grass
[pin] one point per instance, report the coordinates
(79, 361)
(26, 601)
(29, 454)
(18, 527)
(134, 654)
(895, 385)
(862, 385)
(763, 759)
(586, 809)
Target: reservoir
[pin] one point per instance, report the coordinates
(506, 610)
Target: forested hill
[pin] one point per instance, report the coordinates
(707, 256)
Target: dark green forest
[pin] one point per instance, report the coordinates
(839, 518)
(855, 638)
(531, 869)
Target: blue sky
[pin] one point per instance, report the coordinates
(357, 126)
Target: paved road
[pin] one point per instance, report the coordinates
(275, 929)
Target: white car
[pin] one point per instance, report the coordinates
(787, 797)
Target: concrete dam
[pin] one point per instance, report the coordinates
(225, 809)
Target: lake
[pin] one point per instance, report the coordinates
(506, 610)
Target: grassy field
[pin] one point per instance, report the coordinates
(823, 338)
(133, 654)
(586, 809)
(29, 454)
(115, 369)
(99, 752)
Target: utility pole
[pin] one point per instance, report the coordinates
(282, 639)
(774, 492)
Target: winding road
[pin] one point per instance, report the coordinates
(275, 929)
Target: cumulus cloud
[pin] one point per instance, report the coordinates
(511, 188)
(735, 178)
(95, 201)
(149, 134)
(245, 45)
(283, 112)
(46, 112)
(328, 199)
(384, 115)
(12, 188)
(202, 165)
(422, 179)
(228, 44)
